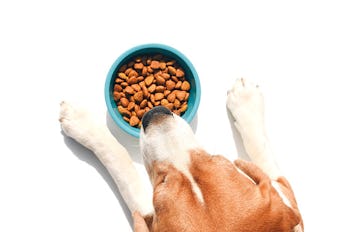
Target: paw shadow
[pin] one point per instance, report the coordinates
(130, 142)
(242, 154)
(88, 156)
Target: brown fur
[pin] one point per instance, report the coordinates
(232, 202)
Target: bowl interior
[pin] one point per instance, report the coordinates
(152, 49)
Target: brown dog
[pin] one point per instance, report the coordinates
(192, 190)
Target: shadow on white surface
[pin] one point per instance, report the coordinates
(88, 156)
(242, 154)
(194, 123)
(130, 142)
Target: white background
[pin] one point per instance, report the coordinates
(297, 51)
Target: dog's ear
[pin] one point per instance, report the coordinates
(288, 192)
(139, 223)
(252, 170)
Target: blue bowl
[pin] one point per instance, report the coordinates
(151, 49)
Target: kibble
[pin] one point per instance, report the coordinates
(149, 81)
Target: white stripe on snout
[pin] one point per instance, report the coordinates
(171, 141)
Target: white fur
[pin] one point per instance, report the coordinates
(244, 174)
(245, 102)
(171, 141)
(277, 187)
(78, 125)
(298, 228)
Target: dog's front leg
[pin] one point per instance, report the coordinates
(245, 102)
(78, 125)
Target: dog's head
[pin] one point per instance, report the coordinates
(194, 191)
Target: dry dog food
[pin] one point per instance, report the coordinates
(150, 81)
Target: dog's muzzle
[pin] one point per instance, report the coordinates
(155, 115)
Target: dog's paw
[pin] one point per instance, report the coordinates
(245, 102)
(75, 122)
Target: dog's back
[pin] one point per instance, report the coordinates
(236, 197)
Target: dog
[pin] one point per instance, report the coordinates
(193, 190)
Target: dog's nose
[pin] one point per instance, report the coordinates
(154, 114)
